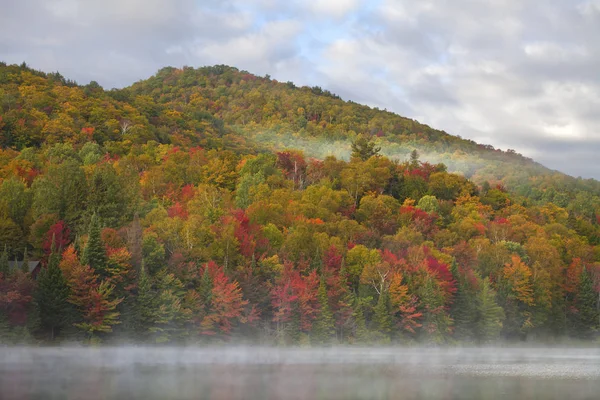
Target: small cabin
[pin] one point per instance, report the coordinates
(33, 267)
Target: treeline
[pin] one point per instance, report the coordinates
(168, 244)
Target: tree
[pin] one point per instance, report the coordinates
(170, 315)
(94, 300)
(61, 191)
(403, 305)
(98, 305)
(516, 293)
(583, 320)
(414, 159)
(51, 296)
(364, 148)
(489, 315)
(4, 268)
(382, 319)
(323, 328)
(145, 307)
(94, 253)
(463, 310)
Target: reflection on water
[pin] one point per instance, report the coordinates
(263, 373)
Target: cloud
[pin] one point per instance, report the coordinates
(508, 73)
(332, 8)
(514, 74)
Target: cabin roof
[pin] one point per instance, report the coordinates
(15, 265)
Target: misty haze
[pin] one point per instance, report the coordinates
(293, 373)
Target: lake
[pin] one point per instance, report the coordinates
(293, 373)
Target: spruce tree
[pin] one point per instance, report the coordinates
(489, 314)
(414, 158)
(51, 296)
(584, 325)
(361, 332)
(324, 328)
(382, 318)
(364, 148)
(463, 307)
(94, 253)
(145, 309)
(4, 268)
(25, 263)
(205, 289)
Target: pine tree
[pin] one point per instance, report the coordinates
(25, 263)
(293, 331)
(489, 315)
(382, 319)
(584, 322)
(364, 148)
(414, 158)
(361, 332)
(463, 310)
(52, 294)
(94, 253)
(145, 306)
(4, 268)
(205, 289)
(323, 329)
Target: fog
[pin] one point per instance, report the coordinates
(298, 373)
(458, 162)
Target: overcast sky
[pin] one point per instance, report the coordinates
(518, 74)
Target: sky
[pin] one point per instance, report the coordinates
(516, 74)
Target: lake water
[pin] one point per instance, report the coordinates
(268, 373)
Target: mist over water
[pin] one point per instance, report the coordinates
(294, 373)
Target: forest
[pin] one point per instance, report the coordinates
(210, 205)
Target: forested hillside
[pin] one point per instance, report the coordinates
(212, 205)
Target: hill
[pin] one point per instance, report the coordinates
(212, 204)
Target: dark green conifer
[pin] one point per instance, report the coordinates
(463, 309)
(364, 148)
(382, 318)
(145, 308)
(94, 253)
(4, 268)
(25, 263)
(52, 295)
(324, 328)
(584, 321)
(489, 315)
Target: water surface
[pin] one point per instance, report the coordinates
(267, 373)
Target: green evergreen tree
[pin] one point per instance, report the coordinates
(463, 309)
(584, 321)
(324, 327)
(414, 158)
(382, 318)
(4, 268)
(489, 315)
(25, 263)
(205, 289)
(293, 329)
(145, 306)
(171, 315)
(364, 148)
(361, 332)
(94, 253)
(51, 296)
